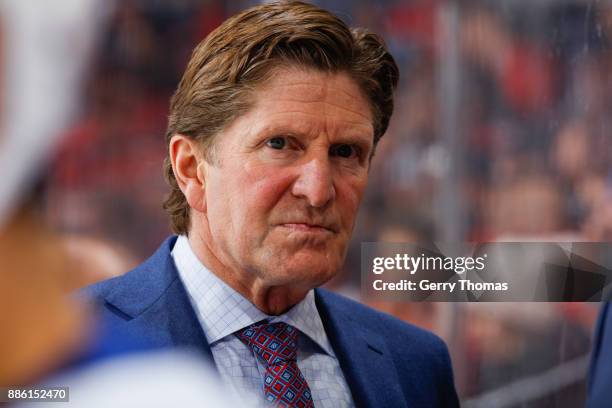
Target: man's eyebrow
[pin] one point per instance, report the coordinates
(354, 131)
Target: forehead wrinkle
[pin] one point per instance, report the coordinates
(275, 104)
(358, 123)
(312, 93)
(329, 82)
(322, 95)
(326, 102)
(273, 84)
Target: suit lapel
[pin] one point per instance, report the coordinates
(156, 305)
(363, 355)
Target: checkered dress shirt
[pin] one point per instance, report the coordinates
(222, 311)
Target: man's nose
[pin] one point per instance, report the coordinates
(315, 182)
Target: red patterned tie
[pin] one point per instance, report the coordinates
(276, 346)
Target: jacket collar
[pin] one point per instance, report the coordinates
(157, 306)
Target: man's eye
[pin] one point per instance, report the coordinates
(276, 143)
(343, 150)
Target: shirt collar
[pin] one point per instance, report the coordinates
(223, 311)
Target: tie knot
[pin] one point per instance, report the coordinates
(275, 343)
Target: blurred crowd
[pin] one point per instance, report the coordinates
(535, 161)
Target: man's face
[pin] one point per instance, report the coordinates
(287, 179)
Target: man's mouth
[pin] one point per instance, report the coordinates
(308, 227)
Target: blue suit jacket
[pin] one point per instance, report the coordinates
(600, 375)
(386, 362)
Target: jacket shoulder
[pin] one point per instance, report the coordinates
(128, 294)
(393, 328)
(98, 291)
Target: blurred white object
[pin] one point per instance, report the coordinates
(147, 379)
(46, 47)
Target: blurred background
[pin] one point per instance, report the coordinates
(500, 133)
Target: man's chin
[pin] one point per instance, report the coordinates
(306, 276)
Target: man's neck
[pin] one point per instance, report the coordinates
(270, 299)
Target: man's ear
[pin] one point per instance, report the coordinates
(189, 170)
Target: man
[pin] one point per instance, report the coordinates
(270, 137)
